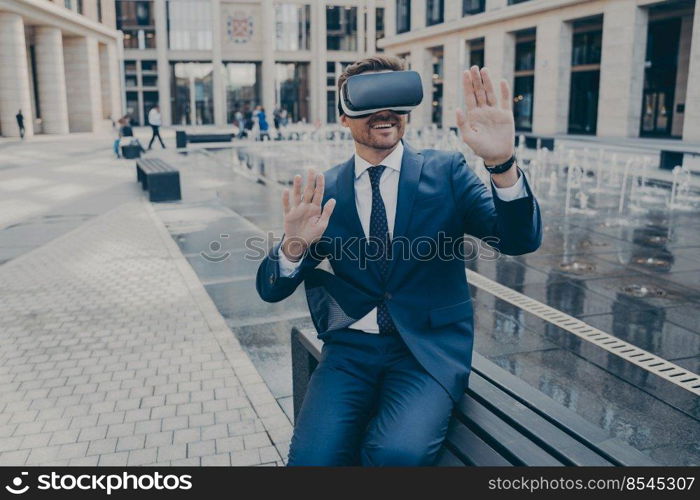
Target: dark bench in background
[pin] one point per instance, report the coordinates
(182, 138)
(158, 178)
(669, 159)
(500, 421)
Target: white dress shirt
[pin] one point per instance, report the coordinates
(154, 117)
(389, 189)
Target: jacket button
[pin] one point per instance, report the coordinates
(272, 279)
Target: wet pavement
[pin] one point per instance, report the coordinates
(636, 277)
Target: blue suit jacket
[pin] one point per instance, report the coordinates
(439, 198)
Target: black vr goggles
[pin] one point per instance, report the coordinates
(367, 93)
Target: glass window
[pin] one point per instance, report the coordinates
(525, 56)
(379, 25)
(150, 100)
(471, 7)
(403, 16)
(437, 76)
(130, 66)
(435, 11)
(130, 81)
(523, 92)
(192, 85)
(341, 28)
(513, 2)
(587, 48)
(292, 89)
(79, 8)
(189, 25)
(331, 107)
(243, 82)
(293, 27)
(149, 80)
(135, 19)
(132, 108)
(149, 66)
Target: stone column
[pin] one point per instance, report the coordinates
(421, 62)
(390, 18)
(452, 79)
(682, 73)
(418, 14)
(268, 59)
(622, 69)
(161, 26)
(317, 76)
(51, 80)
(82, 83)
(552, 76)
(453, 10)
(109, 78)
(220, 104)
(371, 27)
(14, 76)
(499, 52)
(691, 123)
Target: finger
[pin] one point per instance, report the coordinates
(479, 92)
(327, 212)
(506, 100)
(318, 192)
(490, 90)
(469, 98)
(285, 201)
(296, 198)
(310, 185)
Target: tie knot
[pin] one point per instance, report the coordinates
(374, 174)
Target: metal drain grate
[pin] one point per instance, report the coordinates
(644, 359)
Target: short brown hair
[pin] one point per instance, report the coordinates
(379, 62)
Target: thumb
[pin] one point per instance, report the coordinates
(327, 211)
(461, 118)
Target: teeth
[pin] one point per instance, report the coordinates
(382, 125)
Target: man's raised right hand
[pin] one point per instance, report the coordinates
(304, 220)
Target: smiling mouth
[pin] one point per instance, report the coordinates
(382, 125)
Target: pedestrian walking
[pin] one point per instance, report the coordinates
(20, 123)
(155, 121)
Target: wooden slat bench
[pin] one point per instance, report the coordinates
(158, 178)
(500, 421)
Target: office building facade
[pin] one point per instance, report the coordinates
(59, 66)
(607, 68)
(203, 61)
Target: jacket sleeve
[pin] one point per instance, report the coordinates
(271, 285)
(512, 227)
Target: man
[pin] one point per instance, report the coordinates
(397, 329)
(20, 123)
(154, 120)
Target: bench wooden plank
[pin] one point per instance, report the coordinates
(514, 446)
(470, 448)
(555, 441)
(446, 458)
(615, 451)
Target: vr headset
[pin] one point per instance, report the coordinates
(367, 93)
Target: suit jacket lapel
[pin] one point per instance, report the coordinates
(346, 198)
(411, 166)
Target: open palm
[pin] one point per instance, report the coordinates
(487, 127)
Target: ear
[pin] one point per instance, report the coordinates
(344, 121)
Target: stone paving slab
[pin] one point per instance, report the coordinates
(112, 353)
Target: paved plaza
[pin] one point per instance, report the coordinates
(111, 351)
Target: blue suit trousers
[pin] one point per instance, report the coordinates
(369, 402)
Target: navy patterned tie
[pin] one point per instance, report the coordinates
(379, 235)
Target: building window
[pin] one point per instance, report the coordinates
(513, 2)
(437, 75)
(403, 16)
(292, 90)
(135, 19)
(475, 53)
(68, 4)
(341, 28)
(293, 27)
(189, 25)
(243, 82)
(192, 93)
(524, 82)
(379, 25)
(132, 108)
(150, 101)
(471, 7)
(99, 11)
(435, 12)
(585, 75)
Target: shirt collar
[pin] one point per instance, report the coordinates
(392, 161)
